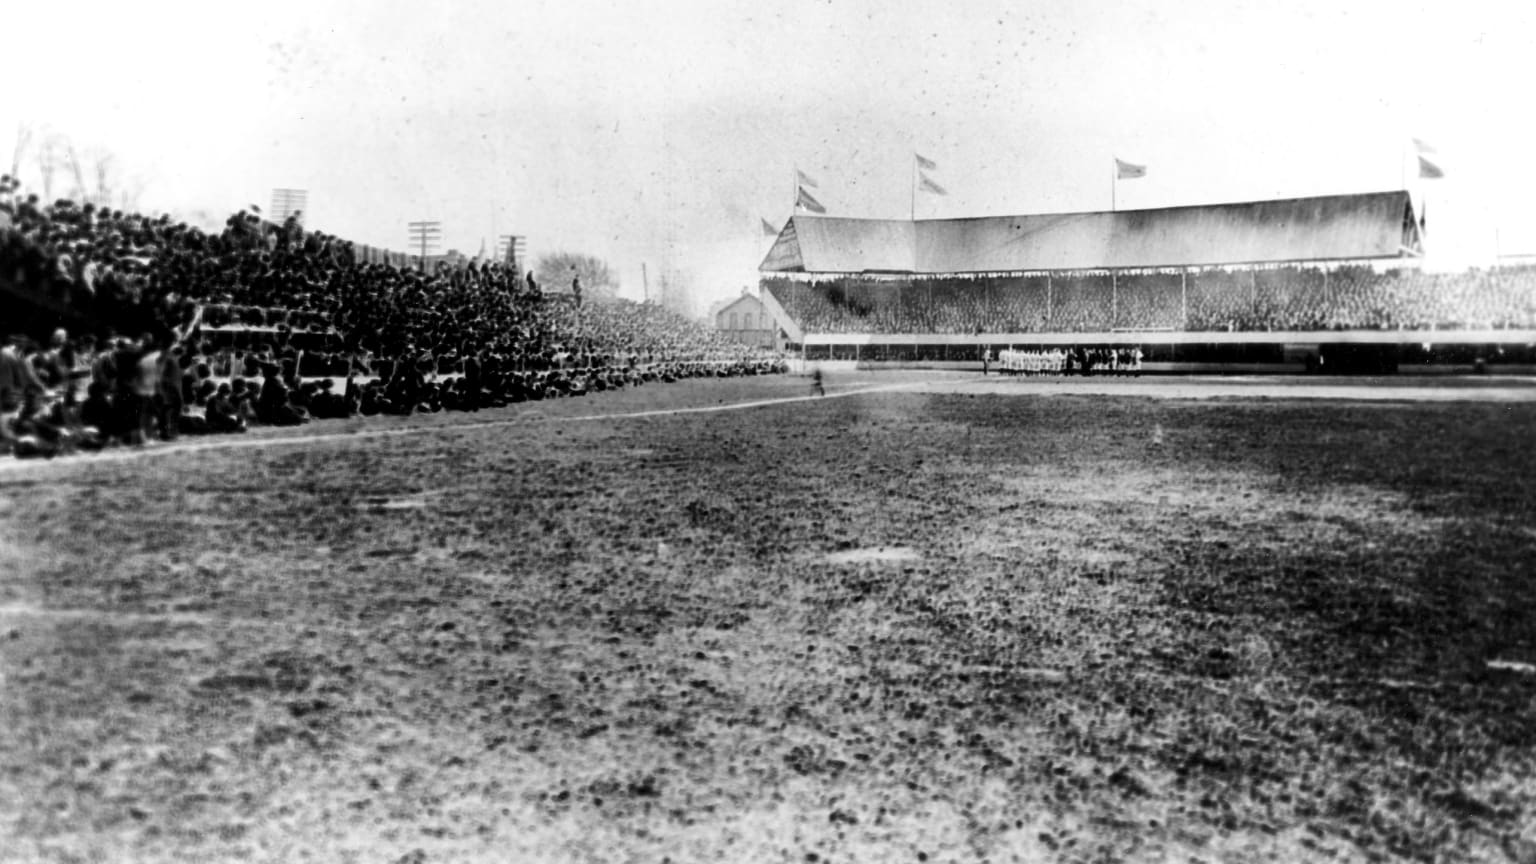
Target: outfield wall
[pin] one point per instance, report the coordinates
(1171, 337)
(1353, 352)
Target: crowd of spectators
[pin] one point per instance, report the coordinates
(181, 331)
(1216, 299)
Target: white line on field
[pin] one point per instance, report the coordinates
(232, 443)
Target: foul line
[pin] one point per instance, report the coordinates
(124, 454)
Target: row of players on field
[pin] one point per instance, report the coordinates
(1070, 361)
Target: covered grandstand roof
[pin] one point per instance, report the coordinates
(1332, 227)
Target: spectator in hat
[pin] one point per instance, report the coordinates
(169, 400)
(272, 405)
(51, 364)
(18, 384)
(473, 380)
(221, 413)
(194, 415)
(243, 395)
(97, 413)
(146, 386)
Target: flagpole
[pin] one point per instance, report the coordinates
(914, 186)
(1114, 180)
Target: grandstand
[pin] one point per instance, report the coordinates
(122, 324)
(1264, 283)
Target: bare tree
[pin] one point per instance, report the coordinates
(675, 291)
(555, 270)
(47, 164)
(95, 174)
(23, 138)
(128, 196)
(102, 162)
(80, 192)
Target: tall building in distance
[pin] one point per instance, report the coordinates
(289, 202)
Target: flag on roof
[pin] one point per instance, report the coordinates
(926, 163)
(1126, 171)
(1429, 170)
(1423, 147)
(926, 184)
(804, 179)
(769, 230)
(805, 200)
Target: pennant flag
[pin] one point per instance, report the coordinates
(804, 179)
(925, 163)
(769, 230)
(1429, 170)
(1423, 147)
(926, 184)
(1127, 171)
(805, 200)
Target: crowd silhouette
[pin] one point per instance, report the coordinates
(171, 330)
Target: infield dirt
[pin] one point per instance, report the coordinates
(946, 626)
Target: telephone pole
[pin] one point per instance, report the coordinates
(512, 249)
(424, 235)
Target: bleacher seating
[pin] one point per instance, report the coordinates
(1287, 298)
(181, 308)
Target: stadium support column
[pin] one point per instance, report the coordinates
(1049, 315)
(1184, 299)
(1114, 300)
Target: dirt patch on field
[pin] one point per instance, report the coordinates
(872, 555)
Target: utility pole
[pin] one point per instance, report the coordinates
(512, 249)
(424, 235)
(645, 282)
(23, 138)
(289, 202)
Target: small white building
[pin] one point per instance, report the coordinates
(747, 321)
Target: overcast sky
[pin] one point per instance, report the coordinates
(664, 132)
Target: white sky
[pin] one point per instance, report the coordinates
(662, 132)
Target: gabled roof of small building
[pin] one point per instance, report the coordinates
(748, 299)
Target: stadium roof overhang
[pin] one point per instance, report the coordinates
(1329, 228)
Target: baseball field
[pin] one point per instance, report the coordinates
(926, 617)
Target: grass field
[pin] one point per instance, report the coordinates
(893, 626)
